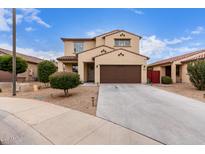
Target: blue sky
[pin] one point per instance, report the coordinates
(165, 32)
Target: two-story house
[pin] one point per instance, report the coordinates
(112, 57)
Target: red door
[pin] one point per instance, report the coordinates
(154, 76)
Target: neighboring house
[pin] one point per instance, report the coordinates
(112, 57)
(176, 67)
(29, 75)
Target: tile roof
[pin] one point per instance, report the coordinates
(122, 31)
(104, 35)
(88, 39)
(176, 58)
(77, 39)
(199, 57)
(108, 33)
(95, 48)
(68, 58)
(25, 57)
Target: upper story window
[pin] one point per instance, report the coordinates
(122, 42)
(78, 47)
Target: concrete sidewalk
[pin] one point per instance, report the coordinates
(26, 121)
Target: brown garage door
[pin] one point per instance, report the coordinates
(5, 76)
(120, 73)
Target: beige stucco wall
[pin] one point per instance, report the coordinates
(183, 71)
(68, 67)
(83, 75)
(30, 73)
(173, 72)
(61, 66)
(69, 47)
(185, 76)
(87, 57)
(100, 41)
(128, 59)
(110, 41)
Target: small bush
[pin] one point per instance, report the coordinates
(64, 80)
(6, 64)
(166, 80)
(196, 71)
(45, 69)
(149, 81)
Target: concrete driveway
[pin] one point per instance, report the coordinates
(161, 115)
(27, 121)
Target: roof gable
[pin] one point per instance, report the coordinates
(118, 50)
(119, 31)
(95, 48)
(107, 33)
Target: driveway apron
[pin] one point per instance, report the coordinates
(164, 116)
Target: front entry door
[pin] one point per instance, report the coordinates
(90, 72)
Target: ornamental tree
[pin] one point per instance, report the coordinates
(196, 72)
(64, 81)
(6, 64)
(45, 69)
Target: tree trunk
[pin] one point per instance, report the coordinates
(66, 92)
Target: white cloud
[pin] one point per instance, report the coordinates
(28, 15)
(95, 32)
(32, 15)
(136, 11)
(4, 25)
(29, 29)
(158, 49)
(196, 44)
(152, 45)
(177, 40)
(198, 30)
(182, 49)
(19, 19)
(49, 55)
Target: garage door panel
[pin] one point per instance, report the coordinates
(120, 74)
(5, 76)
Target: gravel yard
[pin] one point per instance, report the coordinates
(183, 89)
(79, 98)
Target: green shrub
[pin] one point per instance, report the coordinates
(196, 71)
(166, 80)
(64, 80)
(45, 69)
(149, 81)
(6, 64)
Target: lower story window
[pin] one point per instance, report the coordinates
(75, 68)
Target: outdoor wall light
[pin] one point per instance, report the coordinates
(144, 67)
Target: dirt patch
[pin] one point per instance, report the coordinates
(187, 90)
(79, 98)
